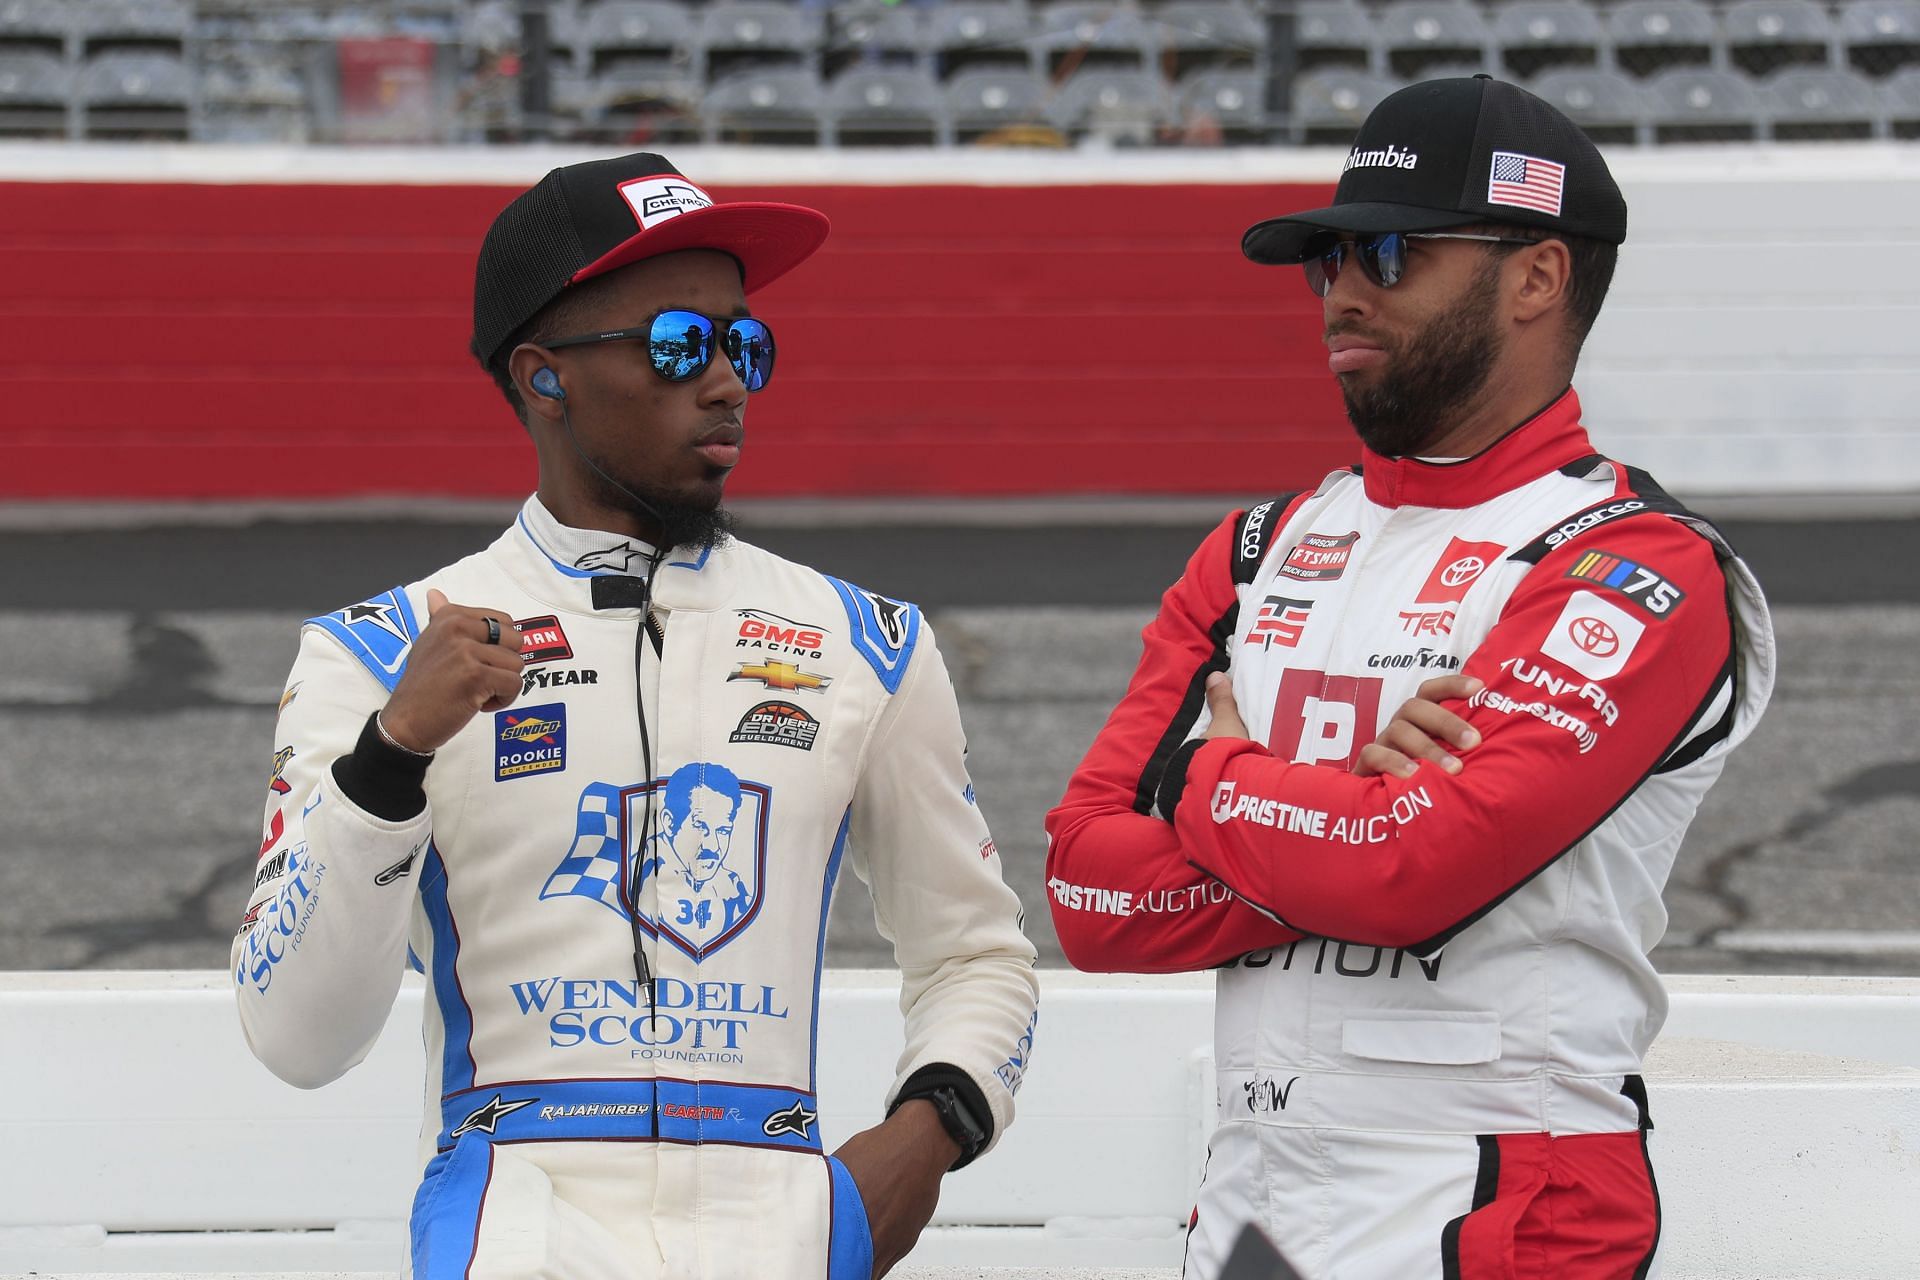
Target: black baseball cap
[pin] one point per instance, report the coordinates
(583, 220)
(1449, 152)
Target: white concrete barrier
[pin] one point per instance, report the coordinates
(135, 1130)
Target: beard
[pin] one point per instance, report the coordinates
(1429, 383)
(681, 524)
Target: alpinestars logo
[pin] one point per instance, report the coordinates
(1392, 157)
(796, 1120)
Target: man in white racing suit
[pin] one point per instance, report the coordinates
(598, 781)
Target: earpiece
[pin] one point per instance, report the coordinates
(547, 383)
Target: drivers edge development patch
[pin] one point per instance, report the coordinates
(777, 724)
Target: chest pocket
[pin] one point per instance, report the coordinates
(1438, 1039)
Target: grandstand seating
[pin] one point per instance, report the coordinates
(640, 69)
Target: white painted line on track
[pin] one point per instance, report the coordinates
(1850, 942)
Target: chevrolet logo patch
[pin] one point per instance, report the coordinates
(780, 675)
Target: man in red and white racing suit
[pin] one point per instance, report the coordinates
(1436, 994)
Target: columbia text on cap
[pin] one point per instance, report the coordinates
(1445, 153)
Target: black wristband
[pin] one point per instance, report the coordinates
(1173, 781)
(385, 780)
(937, 1076)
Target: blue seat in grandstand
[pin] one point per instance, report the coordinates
(156, 25)
(1202, 33)
(774, 105)
(642, 30)
(985, 101)
(740, 33)
(980, 33)
(1700, 104)
(1821, 103)
(1233, 99)
(1605, 104)
(1070, 36)
(870, 33)
(1880, 36)
(36, 88)
(1539, 35)
(1335, 33)
(1128, 107)
(1427, 38)
(1329, 104)
(886, 106)
(1900, 99)
(1650, 36)
(35, 24)
(1764, 35)
(136, 95)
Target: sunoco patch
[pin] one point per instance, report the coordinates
(529, 740)
(777, 724)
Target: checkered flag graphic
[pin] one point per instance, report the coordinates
(592, 866)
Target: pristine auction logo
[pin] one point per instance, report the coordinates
(1391, 158)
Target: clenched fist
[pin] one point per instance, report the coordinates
(460, 666)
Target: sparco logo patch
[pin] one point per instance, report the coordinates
(777, 724)
(1320, 557)
(1389, 157)
(1250, 536)
(542, 640)
(1592, 519)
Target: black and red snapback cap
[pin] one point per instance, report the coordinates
(1445, 153)
(584, 220)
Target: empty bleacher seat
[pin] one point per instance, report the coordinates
(1088, 35)
(1124, 106)
(648, 30)
(1333, 33)
(1539, 35)
(1820, 104)
(27, 25)
(980, 33)
(886, 106)
(1329, 104)
(1202, 33)
(35, 89)
(991, 100)
(1605, 104)
(1650, 36)
(1699, 104)
(1900, 99)
(781, 105)
(136, 94)
(740, 33)
(1880, 36)
(160, 25)
(1233, 99)
(1765, 35)
(1429, 38)
(874, 33)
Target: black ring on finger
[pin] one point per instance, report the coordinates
(493, 630)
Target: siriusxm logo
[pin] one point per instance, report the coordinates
(1391, 157)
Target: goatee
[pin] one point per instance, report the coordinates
(1429, 383)
(681, 524)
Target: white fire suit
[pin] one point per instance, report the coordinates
(579, 1122)
(1438, 994)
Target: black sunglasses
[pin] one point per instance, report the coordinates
(680, 345)
(1382, 256)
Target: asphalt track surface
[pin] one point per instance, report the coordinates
(146, 651)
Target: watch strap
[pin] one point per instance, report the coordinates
(942, 1077)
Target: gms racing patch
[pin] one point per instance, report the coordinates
(777, 724)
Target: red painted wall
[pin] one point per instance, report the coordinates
(268, 341)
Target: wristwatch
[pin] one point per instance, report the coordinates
(956, 1117)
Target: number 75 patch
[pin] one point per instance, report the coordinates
(1638, 583)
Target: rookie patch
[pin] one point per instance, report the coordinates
(529, 740)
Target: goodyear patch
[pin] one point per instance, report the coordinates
(529, 741)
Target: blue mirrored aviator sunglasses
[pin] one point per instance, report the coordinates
(680, 345)
(1382, 257)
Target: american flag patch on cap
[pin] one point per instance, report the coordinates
(1527, 182)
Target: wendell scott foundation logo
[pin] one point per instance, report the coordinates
(1391, 157)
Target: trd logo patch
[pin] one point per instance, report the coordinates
(542, 639)
(1320, 557)
(777, 724)
(529, 740)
